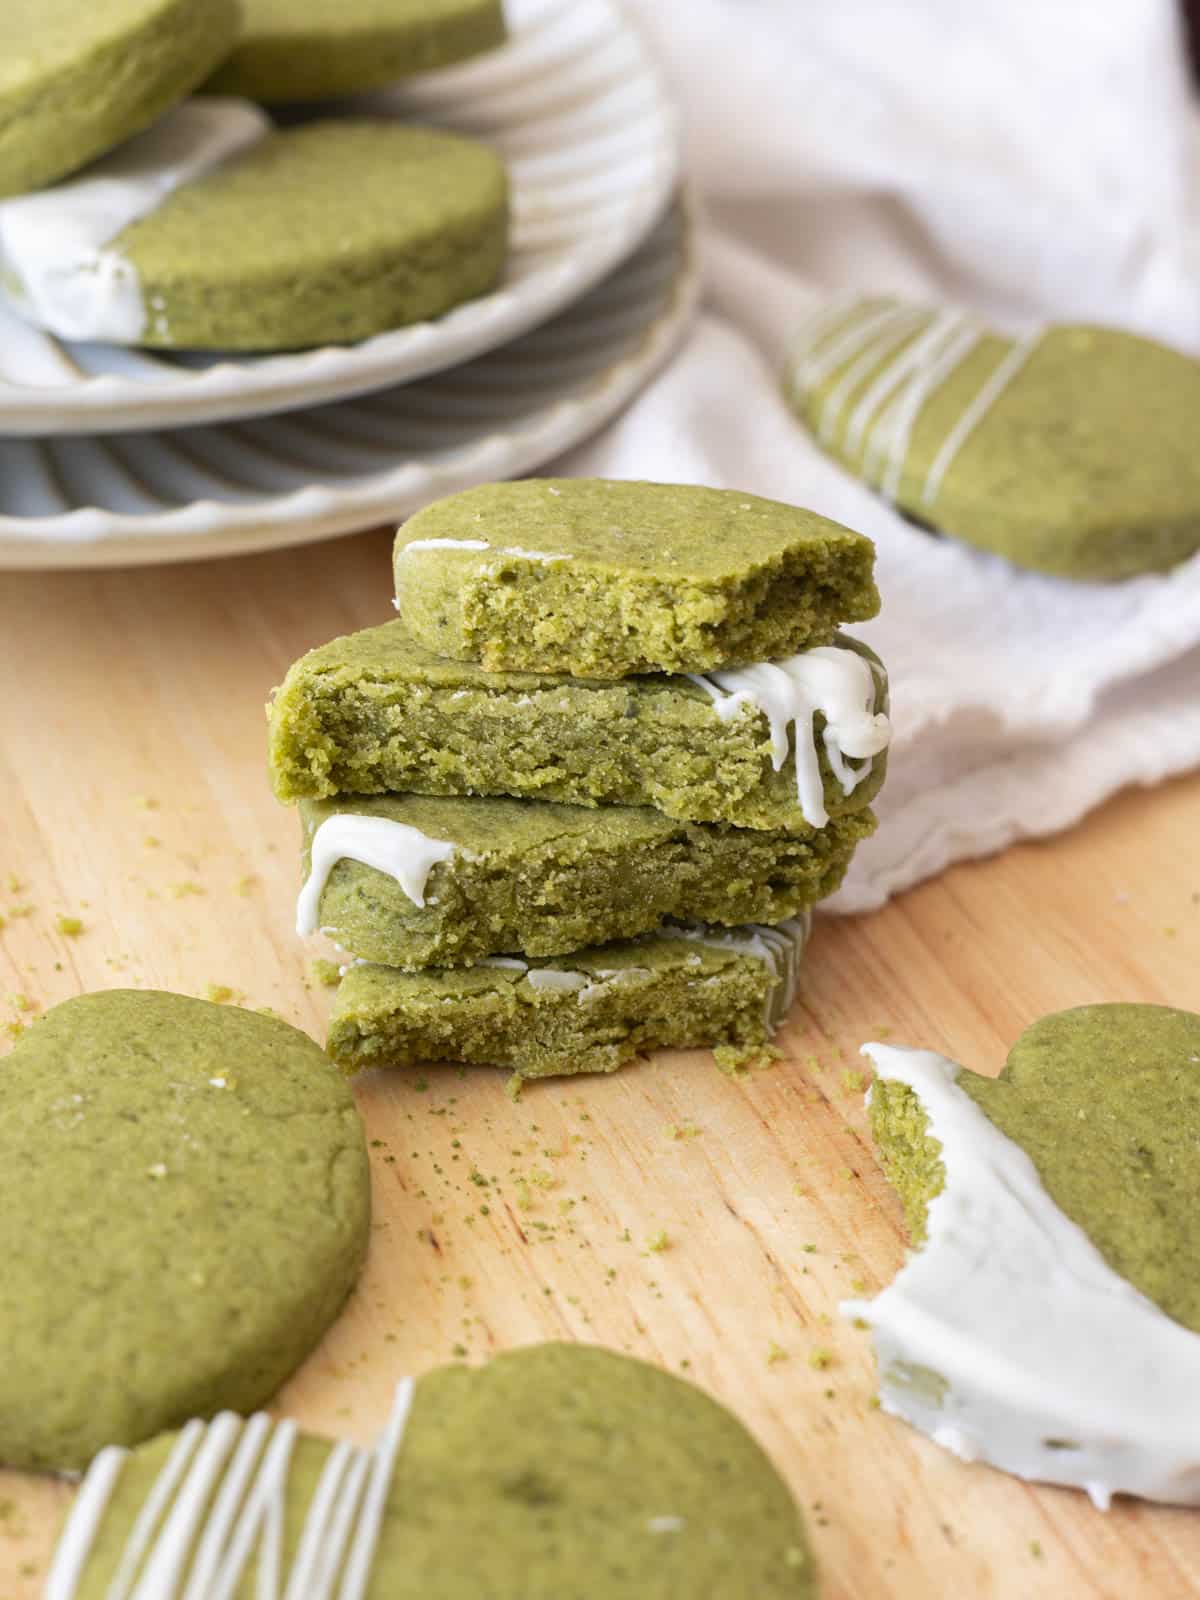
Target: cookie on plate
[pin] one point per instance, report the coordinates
(591, 1011)
(601, 578)
(1070, 451)
(784, 744)
(558, 1470)
(1049, 1322)
(416, 881)
(214, 231)
(184, 1208)
(312, 51)
(77, 80)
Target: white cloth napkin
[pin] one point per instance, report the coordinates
(1036, 159)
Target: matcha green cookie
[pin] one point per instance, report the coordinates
(212, 231)
(1050, 1322)
(600, 578)
(559, 1472)
(184, 1207)
(410, 881)
(588, 1012)
(1071, 451)
(796, 743)
(78, 79)
(315, 49)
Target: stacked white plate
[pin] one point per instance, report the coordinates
(111, 456)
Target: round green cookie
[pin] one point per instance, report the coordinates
(559, 1472)
(184, 1207)
(325, 234)
(77, 79)
(312, 50)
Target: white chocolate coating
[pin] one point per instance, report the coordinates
(220, 1497)
(1007, 1338)
(405, 854)
(838, 683)
(56, 263)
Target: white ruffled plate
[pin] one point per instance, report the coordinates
(576, 106)
(128, 499)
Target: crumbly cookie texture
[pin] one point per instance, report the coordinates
(77, 80)
(598, 578)
(323, 48)
(588, 1012)
(1050, 1319)
(1070, 451)
(556, 1470)
(455, 880)
(376, 712)
(184, 1207)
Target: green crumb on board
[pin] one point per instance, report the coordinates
(775, 1354)
(187, 887)
(145, 802)
(820, 1358)
(246, 885)
(69, 927)
(1035, 1549)
(853, 1082)
(735, 1060)
(658, 1242)
(682, 1130)
(326, 973)
(222, 995)
(25, 910)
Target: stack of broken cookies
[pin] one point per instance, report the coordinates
(577, 801)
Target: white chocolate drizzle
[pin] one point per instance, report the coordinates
(56, 260)
(555, 979)
(482, 544)
(780, 949)
(217, 1509)
(865, 341)
(838, 683)
(403, 853)
(1007, 1337)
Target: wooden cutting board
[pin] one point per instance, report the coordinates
(705, 1223)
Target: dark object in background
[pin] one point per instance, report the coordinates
(1191, 17)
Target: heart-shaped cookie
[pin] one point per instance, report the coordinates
(1070, 451)
(1049, 1322)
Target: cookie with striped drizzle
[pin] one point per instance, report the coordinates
(218, 1506)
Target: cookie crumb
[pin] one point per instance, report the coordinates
(69, 927)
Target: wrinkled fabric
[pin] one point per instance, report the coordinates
(1033, 159)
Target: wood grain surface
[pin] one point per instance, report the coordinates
(707, 1223)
